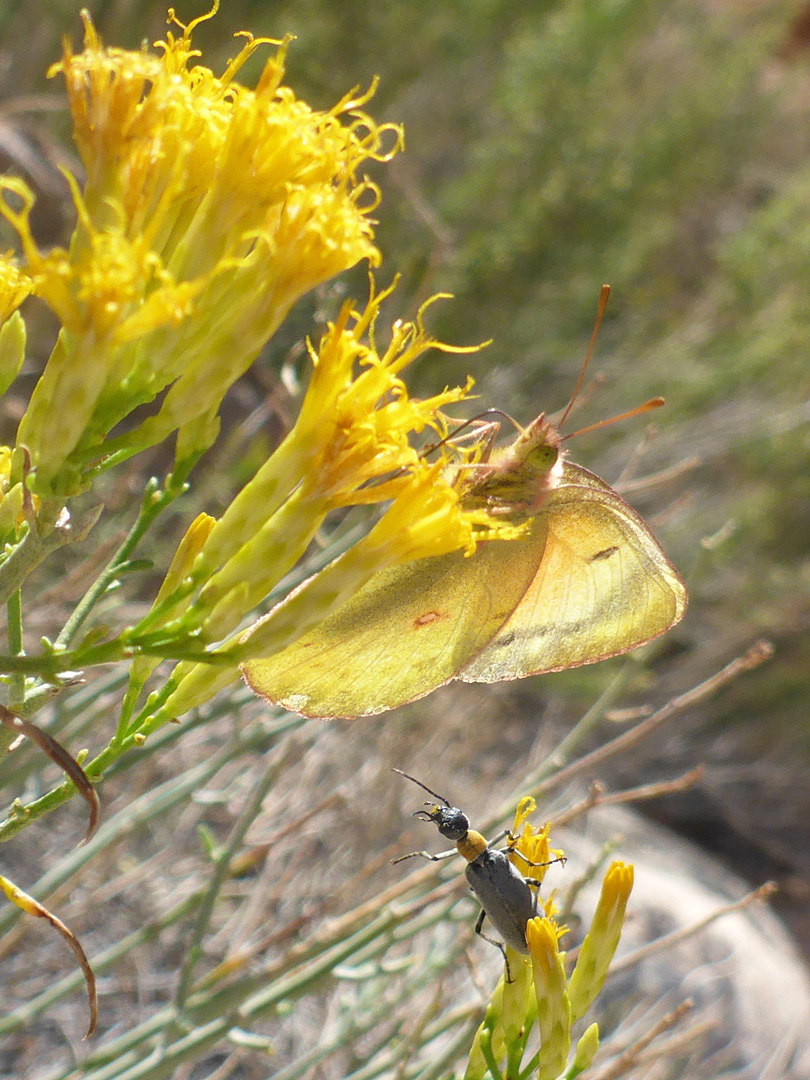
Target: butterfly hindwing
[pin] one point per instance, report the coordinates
(602, 587)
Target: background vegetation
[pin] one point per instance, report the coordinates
(659, 146)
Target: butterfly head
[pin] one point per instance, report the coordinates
(539, 449)
(515, 482)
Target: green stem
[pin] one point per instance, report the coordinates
(222, 865)
(146, 720)
(485, 1043)
(531, 1068)
(52, 530)
(48, 665)
(14, 636)
(7, 737)
(514, 1056)
(153, 503)
(16, 682)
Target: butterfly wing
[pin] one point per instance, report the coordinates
(602, 587)
(409, 630)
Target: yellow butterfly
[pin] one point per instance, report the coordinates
(586, 581)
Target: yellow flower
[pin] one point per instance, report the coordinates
(209, 209)
(353, 431)
(15, 285)
(601, 940)
(556, 1001)
(553, 1008)
(12, 469)
(531, 850)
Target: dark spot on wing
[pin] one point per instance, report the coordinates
(428, 617)
(604, 554)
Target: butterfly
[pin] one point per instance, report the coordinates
(585, 581)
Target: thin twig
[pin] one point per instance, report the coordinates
(756, 655)
(658, 479)
(668, 941)
(276, 762)
(598, 796)
(621, 1064)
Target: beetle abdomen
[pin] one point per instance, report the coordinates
(504, 895)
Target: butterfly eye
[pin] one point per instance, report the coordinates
(543, 458)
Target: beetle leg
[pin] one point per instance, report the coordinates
(513, 851)
(479, 923)
(426, 855)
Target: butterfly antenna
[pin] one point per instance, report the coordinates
(424, 787)
(653, 403)
(604, 293)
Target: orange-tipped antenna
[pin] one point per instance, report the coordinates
(653, 403)
(604, 293)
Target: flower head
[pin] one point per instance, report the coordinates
(551, 993)
(209, 208)
(601, 940)
(15, 285)
(531, 853)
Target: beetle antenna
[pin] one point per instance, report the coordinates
(424, 787)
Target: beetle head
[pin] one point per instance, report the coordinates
(449, 820)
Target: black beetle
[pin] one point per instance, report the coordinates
(505, 895)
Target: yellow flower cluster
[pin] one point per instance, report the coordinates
(209, 209)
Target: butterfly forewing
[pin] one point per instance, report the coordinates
(408, 631)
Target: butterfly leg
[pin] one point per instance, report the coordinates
(479, 923)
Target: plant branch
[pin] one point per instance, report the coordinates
(154, 501)
(41, 541)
